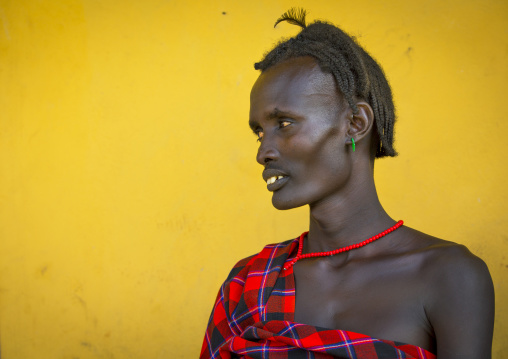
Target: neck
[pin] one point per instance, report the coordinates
(347, 218)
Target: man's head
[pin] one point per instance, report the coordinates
(305, 128)
(357, 75)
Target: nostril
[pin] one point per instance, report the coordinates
(266, 152)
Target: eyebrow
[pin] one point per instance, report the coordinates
(273, 115)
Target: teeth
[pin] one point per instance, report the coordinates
(273, 179)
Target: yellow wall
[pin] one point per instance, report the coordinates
(128, 185)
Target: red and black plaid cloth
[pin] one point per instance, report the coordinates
(254, 312)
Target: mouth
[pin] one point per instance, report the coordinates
(275, 179)
(276, 182)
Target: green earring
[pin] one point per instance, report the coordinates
(353, 141)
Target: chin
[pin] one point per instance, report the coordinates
(285, 204)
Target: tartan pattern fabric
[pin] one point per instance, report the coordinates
(254, 312)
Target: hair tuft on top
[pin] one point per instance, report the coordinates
(295, 16)
(357, 75)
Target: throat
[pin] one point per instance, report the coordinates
(337, 223)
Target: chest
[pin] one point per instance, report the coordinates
(384, 300)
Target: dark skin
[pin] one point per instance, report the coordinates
(408, 286)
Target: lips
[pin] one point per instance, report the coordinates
(275, 179)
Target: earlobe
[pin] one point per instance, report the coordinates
(360, 123)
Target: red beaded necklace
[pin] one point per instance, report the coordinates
(299, 254)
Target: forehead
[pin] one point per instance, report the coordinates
(297, 84)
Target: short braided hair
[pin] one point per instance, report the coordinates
(357, 74)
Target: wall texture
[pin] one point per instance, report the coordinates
(128, 184)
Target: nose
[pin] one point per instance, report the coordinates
(267, 151)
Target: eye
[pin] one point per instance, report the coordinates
(284, 123)
(260, 134)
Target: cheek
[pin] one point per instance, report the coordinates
(325, 163)
(323, 149)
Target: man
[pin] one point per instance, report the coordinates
(358, 284)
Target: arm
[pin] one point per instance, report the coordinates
(460, 305)
(217, 331)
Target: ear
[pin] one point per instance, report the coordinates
(360, 123)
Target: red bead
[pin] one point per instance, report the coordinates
(299, 254)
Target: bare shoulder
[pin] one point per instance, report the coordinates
(457, 295)
(446, 260)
